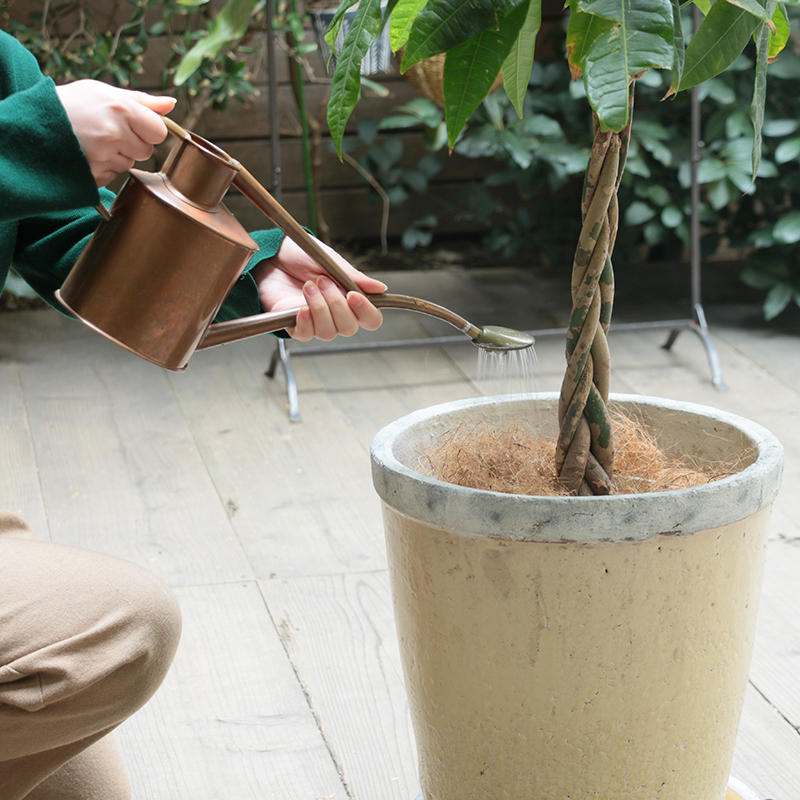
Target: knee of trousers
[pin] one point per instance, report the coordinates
(109, 652)
(144, 634)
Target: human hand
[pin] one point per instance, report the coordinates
(292, 278)
(115, 127)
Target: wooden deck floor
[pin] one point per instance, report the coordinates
(287, 685)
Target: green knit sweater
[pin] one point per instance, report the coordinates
(48, 194)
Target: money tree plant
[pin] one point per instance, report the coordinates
(609, 44)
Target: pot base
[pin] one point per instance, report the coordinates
(736, 791)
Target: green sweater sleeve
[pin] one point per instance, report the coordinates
(48, 194)
(42, 166)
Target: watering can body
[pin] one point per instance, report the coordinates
(154, 275)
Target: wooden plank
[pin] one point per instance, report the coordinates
(230, 720)
(282, 482)
(19, 477)
(776, 660)
(339, 633)
(775, 350)
(767, 751)
(119, 470)
(253, 117)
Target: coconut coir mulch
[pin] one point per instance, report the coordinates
(508, 458)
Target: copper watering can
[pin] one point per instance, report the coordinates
(158, 267)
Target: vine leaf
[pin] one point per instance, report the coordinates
(346, 82)
(403, 16)
(639, 34)
(718, 41)
(519, 61)
(763, 37)
(443, 24)
(757, 9)
(471, 68)
(679, 46)
(228, 26)
(335, 25)
(780, 36)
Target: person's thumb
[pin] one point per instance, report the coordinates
(159, 104)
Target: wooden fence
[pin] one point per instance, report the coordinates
(349, 208)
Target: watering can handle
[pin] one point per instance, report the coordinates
(267, 204)
(271, 321)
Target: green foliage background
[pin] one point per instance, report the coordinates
(541, 158)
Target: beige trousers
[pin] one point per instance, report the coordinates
(85, 640)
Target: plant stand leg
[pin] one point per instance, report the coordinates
(698, 324)
(700, 327)
(281, 355)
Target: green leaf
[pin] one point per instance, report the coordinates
(606, 80)
(399, 121)
(228, 26)
(416, 180)
(780, 36)
(756, 9)
(638, 213)
(582, 31)
(519, 61)
(642, 37)
(787, 228)
(519, 149)
(710, 169)
(719, 194)
(720, 91)
(443, 24)
(742, 180)
(671, 216)
(788, 150)
(777, 299)
(738, 124)
(346, 82)
(401, 20)
(780, 127)
(335, 25)
(757, 279)
(760, 87)
(680, 47)
(718, 41)
(470, 70)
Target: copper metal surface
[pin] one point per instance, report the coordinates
(153, 277)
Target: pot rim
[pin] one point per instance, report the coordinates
(622, 517)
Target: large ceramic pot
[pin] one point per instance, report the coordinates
(561, 648)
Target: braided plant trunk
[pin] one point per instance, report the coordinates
(585, 446)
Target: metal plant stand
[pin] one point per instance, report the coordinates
(696, 322)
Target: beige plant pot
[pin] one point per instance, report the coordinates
(581, 647)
